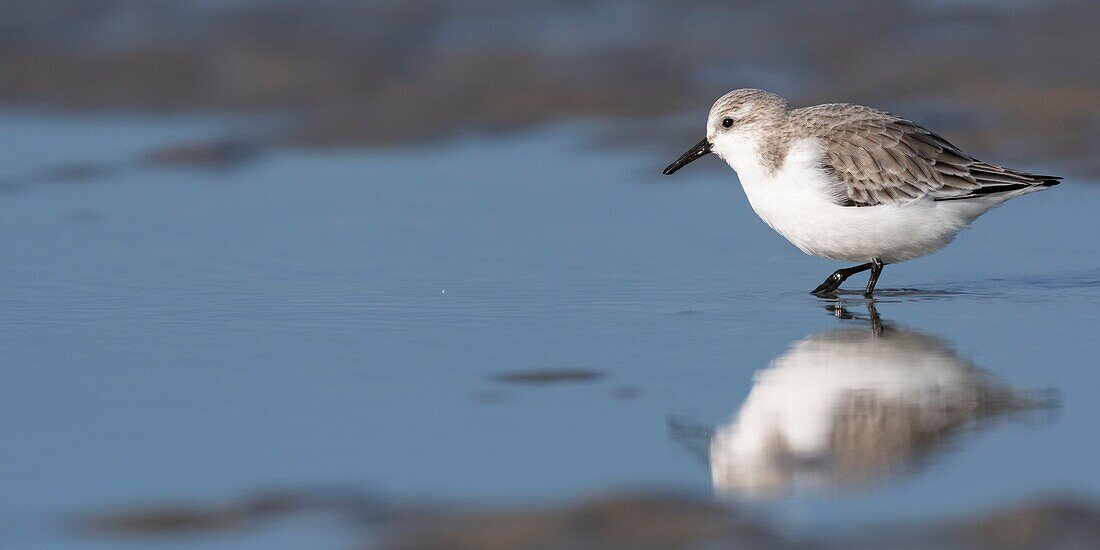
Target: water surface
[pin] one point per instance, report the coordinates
(517, 319)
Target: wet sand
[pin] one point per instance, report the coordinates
(627, 521)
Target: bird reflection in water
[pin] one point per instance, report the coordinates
(847, 407)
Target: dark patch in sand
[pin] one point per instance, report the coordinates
(548, 376)
(217, 154)
(174, 518)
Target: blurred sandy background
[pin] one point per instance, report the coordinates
(1017, 81)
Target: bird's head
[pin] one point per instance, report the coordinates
(735, 123)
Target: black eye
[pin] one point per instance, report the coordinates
(727, 122)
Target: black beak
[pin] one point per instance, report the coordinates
(700, 149)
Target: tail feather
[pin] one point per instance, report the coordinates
(995, 179)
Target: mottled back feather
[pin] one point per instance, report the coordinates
(879, 158)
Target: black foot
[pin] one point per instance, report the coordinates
(830, 285)
(838, 277)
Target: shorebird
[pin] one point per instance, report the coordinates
(852, 183)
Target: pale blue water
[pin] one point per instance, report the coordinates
(327, 318)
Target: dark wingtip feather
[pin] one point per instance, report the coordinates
(1036, 181)
(1043, 181)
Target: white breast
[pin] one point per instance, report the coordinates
(798, 201)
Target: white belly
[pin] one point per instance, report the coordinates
(820, 227)
(796, 202)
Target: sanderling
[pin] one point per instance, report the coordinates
(852, 183)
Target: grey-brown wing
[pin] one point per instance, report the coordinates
(882, 159)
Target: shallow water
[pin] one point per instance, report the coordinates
(525, 318)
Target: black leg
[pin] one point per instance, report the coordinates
(839, 276)
(876, 270)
